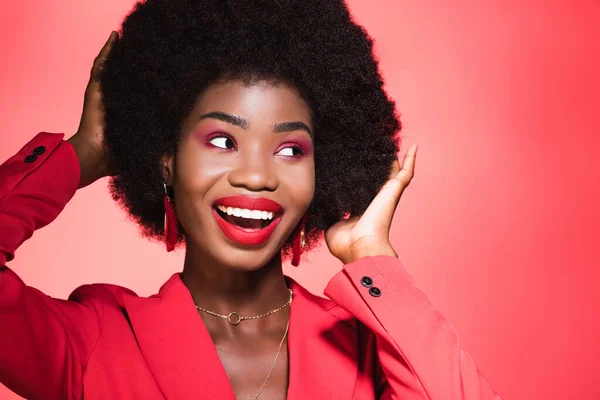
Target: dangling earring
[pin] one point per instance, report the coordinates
(299, 241)
(170, 226)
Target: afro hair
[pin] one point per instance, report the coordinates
(169, 51)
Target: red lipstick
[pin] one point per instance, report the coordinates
(247, 236)
(251, 203)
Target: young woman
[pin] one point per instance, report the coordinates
(240, 130)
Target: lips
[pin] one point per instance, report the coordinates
(251, 203)
(245, 220)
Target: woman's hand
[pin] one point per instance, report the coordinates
(89, 139)
(368, 234)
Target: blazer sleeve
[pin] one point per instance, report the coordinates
(417, 348)
(44, 342)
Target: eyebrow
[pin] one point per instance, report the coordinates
(281, 127)
(230, 119)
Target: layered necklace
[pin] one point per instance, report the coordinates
(235, 318)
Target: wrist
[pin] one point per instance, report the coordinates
(91, 169)
(372, 251)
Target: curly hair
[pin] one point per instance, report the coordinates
(170, 51)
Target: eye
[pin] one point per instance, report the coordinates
(222, 142)
(290, 151)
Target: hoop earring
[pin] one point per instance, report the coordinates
(170, 226)
(299, 241)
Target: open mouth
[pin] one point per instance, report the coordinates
(245, 218)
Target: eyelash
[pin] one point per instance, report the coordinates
(226, 137)
(293, 147)
(221, 136)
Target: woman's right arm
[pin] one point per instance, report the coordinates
(45, 342)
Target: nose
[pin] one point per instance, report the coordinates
(255, 172)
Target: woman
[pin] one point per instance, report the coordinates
(241, 130)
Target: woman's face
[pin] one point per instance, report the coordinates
(244, 171)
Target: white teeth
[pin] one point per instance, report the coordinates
(246, 213)
(256, 214)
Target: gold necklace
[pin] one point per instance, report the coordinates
(235, 318)
(239, 318)
(287, 327)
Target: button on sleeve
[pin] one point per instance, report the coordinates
(39, 150)
(366, 281)
(30, 158)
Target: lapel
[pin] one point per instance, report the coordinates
(322, 346)
(176, 345)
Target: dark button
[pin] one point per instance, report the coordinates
(375, 292)
(366, 281)
(30, 158)
(39, 150)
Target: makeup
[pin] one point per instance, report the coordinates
(304, 146)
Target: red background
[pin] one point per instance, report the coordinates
(500, 224)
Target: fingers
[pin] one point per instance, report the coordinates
(408, 163)
(396, 185)
(395, 169)
(407, 171)
(101, 57)
(93, 109)
(382, 208)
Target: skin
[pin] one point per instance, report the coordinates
(225, 276)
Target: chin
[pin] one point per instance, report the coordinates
(247, 259)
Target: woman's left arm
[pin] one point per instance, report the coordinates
(418, 349)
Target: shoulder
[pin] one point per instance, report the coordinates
(101, 292)
(115, 295)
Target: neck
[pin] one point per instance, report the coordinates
(222, 289)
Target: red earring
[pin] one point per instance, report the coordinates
(170, 226)
(298, 242)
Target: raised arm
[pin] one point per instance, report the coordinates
(418, 349)
(45, 342)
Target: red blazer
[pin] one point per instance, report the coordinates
(105, 342)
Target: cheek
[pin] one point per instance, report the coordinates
(300, 179)
(197, 170)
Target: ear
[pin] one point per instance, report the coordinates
(167, 162)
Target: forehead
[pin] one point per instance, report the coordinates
(257, 101)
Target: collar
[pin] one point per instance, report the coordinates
(180, 353)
